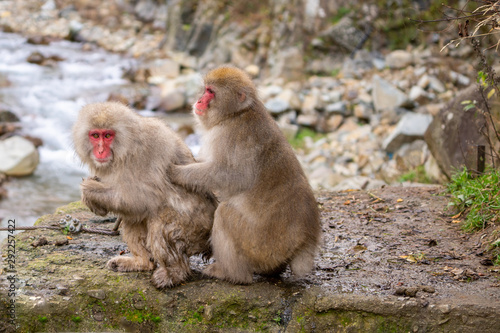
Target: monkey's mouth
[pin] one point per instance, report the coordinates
(199, 112)
(102, 161)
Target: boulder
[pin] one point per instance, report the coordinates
(411, 127)
(18, 156)
(386, 96)
(455, 132)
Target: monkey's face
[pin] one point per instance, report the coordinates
(201, 107)
(102, 143)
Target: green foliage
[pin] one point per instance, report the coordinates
(417, 175)
(478, 197)
(43, 319)
(343, 11)
(298, 141)
(76, 319)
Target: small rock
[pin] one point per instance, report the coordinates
(337, 107)
(411, 291)
(399, 59)
(40, 242)
(276, 105)
(97, 293)
(18, 156)
(252, 70)
(61, 242)
(412, 126)
(386, 96)
(428, 289)
(8, 117)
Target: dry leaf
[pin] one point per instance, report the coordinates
(456, 221)
(399, 200)
(69, 237)
(347, 202)
(457, 216)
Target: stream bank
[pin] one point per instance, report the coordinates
(391, 261)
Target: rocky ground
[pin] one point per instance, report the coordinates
(392, 259)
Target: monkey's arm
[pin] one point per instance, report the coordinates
(206, 177)
(95, 196)
(102, 198)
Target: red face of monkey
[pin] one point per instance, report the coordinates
(101, 140)
(201, 107)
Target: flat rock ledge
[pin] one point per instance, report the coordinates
(391, 261)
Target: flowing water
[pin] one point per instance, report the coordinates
(47, 100)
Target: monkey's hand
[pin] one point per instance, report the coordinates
(185, 176)
(93, 195)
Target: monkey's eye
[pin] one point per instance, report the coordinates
(95, 136)
(210, 91)
(107, 136)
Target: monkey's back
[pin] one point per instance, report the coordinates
(279, 208)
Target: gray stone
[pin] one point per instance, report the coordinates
(359, 183)
(162, 69)
(453, 135)
(411, 127)
(337, 108)
(307, 119)
(276, 105)
(291, 97)
(312, 102)
(386, 96)
(345, 34)
(399, 59)
(174, 100)
(18, 156)
(363, 111)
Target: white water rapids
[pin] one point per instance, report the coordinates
(47, 100)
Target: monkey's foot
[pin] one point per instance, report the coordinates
(129, 264)
(237, 276)
(166, 278)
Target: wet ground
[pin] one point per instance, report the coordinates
(388, 240)
(392, 259)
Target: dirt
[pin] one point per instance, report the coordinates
(392, 260)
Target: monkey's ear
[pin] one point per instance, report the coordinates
(242, 97)
(245, 102)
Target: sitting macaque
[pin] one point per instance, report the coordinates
(130, 158)
(267, 216)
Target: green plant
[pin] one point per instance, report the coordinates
(43, 319)
(76, 319)
(476, 197)
(417, 175)
(299, 140)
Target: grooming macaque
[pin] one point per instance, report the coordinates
(267, 216)
(130, 158)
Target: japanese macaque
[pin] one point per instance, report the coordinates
(130, 158)
(267, 216)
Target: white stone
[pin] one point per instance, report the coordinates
(18, 156)
(386, 96)
(399, 59)
(291, 97)
(276, 105)
(412, 126)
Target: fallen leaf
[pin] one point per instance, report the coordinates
(457, 216)
(399, 200)
(456, 221)
(69, 237)
(347, 202)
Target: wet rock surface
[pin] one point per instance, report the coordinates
(391, 260)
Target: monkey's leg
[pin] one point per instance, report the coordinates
(168, 248)
(231, 264)
(303, 262)
(135, 236)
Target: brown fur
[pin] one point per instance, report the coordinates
(268, 216)
(163, 223)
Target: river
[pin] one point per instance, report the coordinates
(47, 100)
